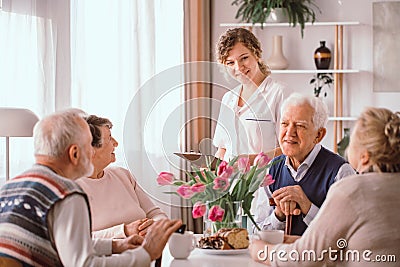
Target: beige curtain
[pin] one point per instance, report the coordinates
(197, 31)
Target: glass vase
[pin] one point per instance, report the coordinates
(232, 217)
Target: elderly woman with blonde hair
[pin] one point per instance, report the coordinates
(358, 224)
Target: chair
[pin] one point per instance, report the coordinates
(9, 262)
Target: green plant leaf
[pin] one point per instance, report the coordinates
(257, 11)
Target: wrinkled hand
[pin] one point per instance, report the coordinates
(285, 208)
(291, 200)
(131, 242)
(138, 227)
(158, 235)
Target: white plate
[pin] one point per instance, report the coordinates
(223, 252)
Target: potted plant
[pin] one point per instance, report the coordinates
(218, 193)
(257, 11)
(319, 80)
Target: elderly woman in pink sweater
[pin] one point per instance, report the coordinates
(119, 207)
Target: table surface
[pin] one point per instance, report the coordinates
(198, 258)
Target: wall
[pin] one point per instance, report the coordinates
(358, 53)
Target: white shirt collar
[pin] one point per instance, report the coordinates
(264, 84)
(305, 165)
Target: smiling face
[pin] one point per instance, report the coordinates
(243, 65)
(298, 135)
(104, 155)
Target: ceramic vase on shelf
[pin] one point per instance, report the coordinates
(277, 15)
(277, 61)
(232, 217)
(322, 57)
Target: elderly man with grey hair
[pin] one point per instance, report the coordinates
(45, 216)
(305, 171)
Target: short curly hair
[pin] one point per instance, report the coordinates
(94, 124)
(378, 131)
(240, 35)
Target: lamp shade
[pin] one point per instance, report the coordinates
(17, 122)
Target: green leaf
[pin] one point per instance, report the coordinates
(257, 181)
(246, 204)
(233, 161)
(210, 176)
(178, 183)
(199, 174)
(191, 176)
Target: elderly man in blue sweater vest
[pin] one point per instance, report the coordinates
(306, 169)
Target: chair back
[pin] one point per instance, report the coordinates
(9, 262)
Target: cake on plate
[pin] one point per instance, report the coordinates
(226, 238)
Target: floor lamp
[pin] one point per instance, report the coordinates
(15, 122)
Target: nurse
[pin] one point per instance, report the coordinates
(249, 116)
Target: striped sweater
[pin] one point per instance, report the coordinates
(25, 202)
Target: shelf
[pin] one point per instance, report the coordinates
(342, 118)
(313, 71)
(308, 24)
(338, 72)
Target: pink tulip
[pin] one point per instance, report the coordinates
(221, 183)
(244, 165)
(222, 166)
(199, 209)
(216, 213)
(165, 178)
(185, 191)
(267, 180)
(198, 187)
(224, 170)
(261, 160)
(228, 172)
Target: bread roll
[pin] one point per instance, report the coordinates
(238, 238)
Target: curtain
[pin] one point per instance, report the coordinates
(100, 56)
(121, 51)
(28, 41)
(197, 108)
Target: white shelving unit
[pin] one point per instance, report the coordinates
(342, 118)
(338, 71)
(313, 71)
(307, 24)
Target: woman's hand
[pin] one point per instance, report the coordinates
(158, 236)
(220, 153)
(131, 242)
(138, 227)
